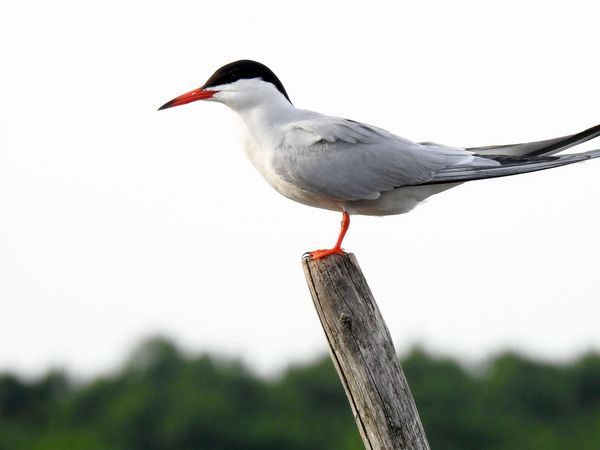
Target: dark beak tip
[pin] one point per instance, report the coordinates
(166, 105)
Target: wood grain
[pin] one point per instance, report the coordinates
(363, 354)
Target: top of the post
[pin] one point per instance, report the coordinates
(336, 263)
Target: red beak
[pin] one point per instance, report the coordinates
(188, 97)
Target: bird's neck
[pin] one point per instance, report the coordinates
(265, 120)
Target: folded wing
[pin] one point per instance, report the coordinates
(510, 166)
(522, 158)
(539, 148)
(347, 160)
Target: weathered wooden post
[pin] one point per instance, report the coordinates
(363, 354)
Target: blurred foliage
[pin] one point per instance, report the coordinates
(163, 399)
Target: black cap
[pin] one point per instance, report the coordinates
(242, 70)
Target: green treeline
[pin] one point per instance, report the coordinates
(163, 399)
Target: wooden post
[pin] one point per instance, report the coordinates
(363, 354)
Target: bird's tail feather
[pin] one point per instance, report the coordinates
(510, 166)
(539, 148)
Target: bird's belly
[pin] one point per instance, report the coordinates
(397, 201)
(292, 192)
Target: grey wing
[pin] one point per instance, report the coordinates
(346, 160)
(509, 166)
(522, 158)
(539, 148)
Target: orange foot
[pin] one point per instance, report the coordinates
(337, 249)
(318, 254)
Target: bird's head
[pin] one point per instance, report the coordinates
(239, 85)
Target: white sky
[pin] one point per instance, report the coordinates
(118, 222)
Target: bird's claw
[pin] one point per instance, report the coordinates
(318, 254)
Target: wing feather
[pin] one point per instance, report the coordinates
(539, 148)
(510, 166)
(348, 160)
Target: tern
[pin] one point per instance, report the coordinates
(351, 167)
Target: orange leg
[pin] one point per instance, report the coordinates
(318, 254)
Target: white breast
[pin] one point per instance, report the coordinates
(260, 153)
